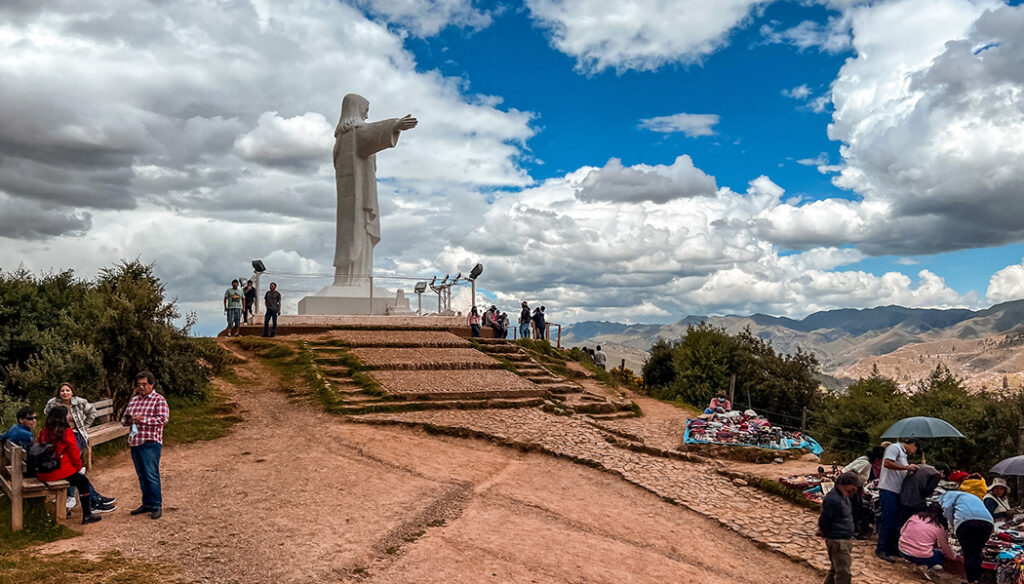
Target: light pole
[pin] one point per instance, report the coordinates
(473, 275)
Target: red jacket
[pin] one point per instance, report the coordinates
(67, 452)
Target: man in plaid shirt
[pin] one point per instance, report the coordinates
(147, 412)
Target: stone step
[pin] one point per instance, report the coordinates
(436, 366)
(545, 379)
(411, 406)
(613, 415)
(465, 395)
(563, 388)
(484, 341)
(500, 349)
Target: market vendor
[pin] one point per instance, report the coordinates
(895, 467)
(924, 541)
(719, 404)
(996, 502)
(972, 524)
(863, 466)
(917, 487)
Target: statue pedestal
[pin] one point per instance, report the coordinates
(355, 300)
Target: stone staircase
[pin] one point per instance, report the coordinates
(357, 372)
(564, 394)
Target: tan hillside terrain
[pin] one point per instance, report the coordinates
(982, 362)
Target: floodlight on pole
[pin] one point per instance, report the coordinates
(420, 288)
(473, 275)
(257, 270)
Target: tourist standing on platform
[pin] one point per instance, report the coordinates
(600, 358)
(972, 524)
(234, 304)
(272, 304)
(524, 321)
(250, 301)
(147, 413)
(835, 524)
(474, 322)
(890, 485)
(502, 330)
(539, 324)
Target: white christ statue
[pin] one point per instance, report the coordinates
(355, 170)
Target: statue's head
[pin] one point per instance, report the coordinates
(354, 110)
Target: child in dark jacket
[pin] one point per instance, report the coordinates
(835, 524)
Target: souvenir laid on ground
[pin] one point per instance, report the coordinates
(745, 429)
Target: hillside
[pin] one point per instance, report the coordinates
(847, 340)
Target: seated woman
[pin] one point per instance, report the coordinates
(81, 414)
(719, 404)
(58, 433)
(996, 502)
(924, 540)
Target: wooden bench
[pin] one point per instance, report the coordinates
(19, 487)
(106, 428)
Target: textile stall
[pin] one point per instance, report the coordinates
(745, 429)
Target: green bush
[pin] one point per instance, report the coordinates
(97, 335)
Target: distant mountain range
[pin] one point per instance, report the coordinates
(847, 340)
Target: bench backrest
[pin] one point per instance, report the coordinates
(104, 411)
(12, 464)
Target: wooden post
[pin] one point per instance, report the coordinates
(803, 421)
(732, 389)
(622, 365)
(559, 336)
(17, 468)
(60, 513)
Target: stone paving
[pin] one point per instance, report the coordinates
(484, 382)
(399, 338)
(424, 358)
(771, 521)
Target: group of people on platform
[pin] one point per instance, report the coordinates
(66, 427)
(240, 305)
(908, 524)
(499, 322)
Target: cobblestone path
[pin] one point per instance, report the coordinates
(771, 521)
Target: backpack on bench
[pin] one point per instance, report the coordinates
(41, 458)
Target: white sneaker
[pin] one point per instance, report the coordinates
(70, 504)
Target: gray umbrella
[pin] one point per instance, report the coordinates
(922, 427)
(1010, 466)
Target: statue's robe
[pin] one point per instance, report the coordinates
(355, 171)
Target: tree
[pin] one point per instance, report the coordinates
(851, 421)
(704, 360)
(659, 371)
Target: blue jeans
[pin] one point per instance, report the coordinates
(271, 314)
(146, 457)
(936, 559)
(474, 330)
(83, 447)
(524, 330)
(234, 317)
(889, 523)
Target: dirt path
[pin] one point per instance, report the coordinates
(294, 495)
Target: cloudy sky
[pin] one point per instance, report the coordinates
(629, 160)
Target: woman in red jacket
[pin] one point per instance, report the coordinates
(58, 433)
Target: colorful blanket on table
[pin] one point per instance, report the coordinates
(745, 430)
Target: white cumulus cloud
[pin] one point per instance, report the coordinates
(693, 125)
(642, 34)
